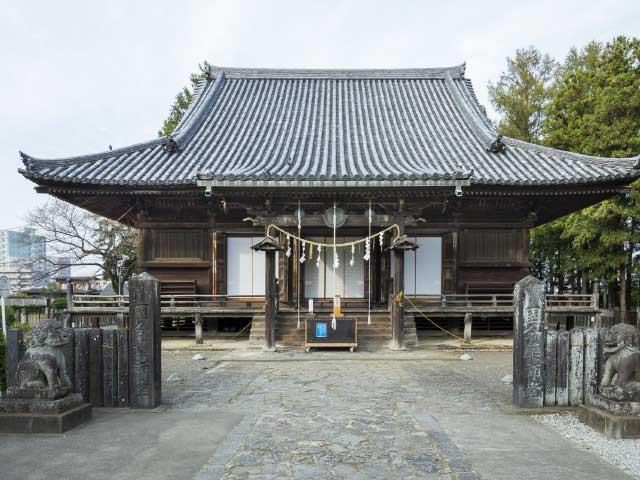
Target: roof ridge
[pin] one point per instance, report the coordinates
(486, 133)
(456, 71)
(198, 110)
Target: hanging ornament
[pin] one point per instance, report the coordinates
(367, 250)
(336, 258)
(299, 215)
(381, 236)
(288, 252)
(303, 256)
(333, 323)
(353, 255)
(318, 258)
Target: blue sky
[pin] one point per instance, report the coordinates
(78, 76)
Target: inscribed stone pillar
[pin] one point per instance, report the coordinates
(15, 346)
(144, 341)
(528, 343)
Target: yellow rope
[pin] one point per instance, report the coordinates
(219, 344)
(402, 295)
(331, 245)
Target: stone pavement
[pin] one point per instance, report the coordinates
(248, 415)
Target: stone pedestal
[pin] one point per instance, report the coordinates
(24, 416)
(609, 424)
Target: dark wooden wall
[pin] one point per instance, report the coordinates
(474, 260)
(178, 254)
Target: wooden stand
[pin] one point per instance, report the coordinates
(345, 334)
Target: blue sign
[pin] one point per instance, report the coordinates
(321, 330)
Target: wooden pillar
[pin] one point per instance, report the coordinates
(271, 306)
(269, 246)
(198, 325)
(468, 320)
(398, 247)
(397, 312)
(67, 315)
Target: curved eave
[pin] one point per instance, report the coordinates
(205, 96)
(629, 163)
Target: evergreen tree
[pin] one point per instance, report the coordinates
(522, 92)
(595, 110)
(590, 106)
(182, 101)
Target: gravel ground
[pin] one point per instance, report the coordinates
(624, 454)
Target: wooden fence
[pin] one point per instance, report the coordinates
(97, 362)
(551, 367)
(572, 366)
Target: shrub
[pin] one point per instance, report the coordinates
(59, 303)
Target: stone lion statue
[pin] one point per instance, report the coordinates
(42, 371)
(621, 376)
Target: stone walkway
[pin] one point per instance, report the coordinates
(324, 415)
(329, 420)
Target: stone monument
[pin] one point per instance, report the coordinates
(615, 409)
(40, 398)
(144, 341)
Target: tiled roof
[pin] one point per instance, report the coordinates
(333, 127)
